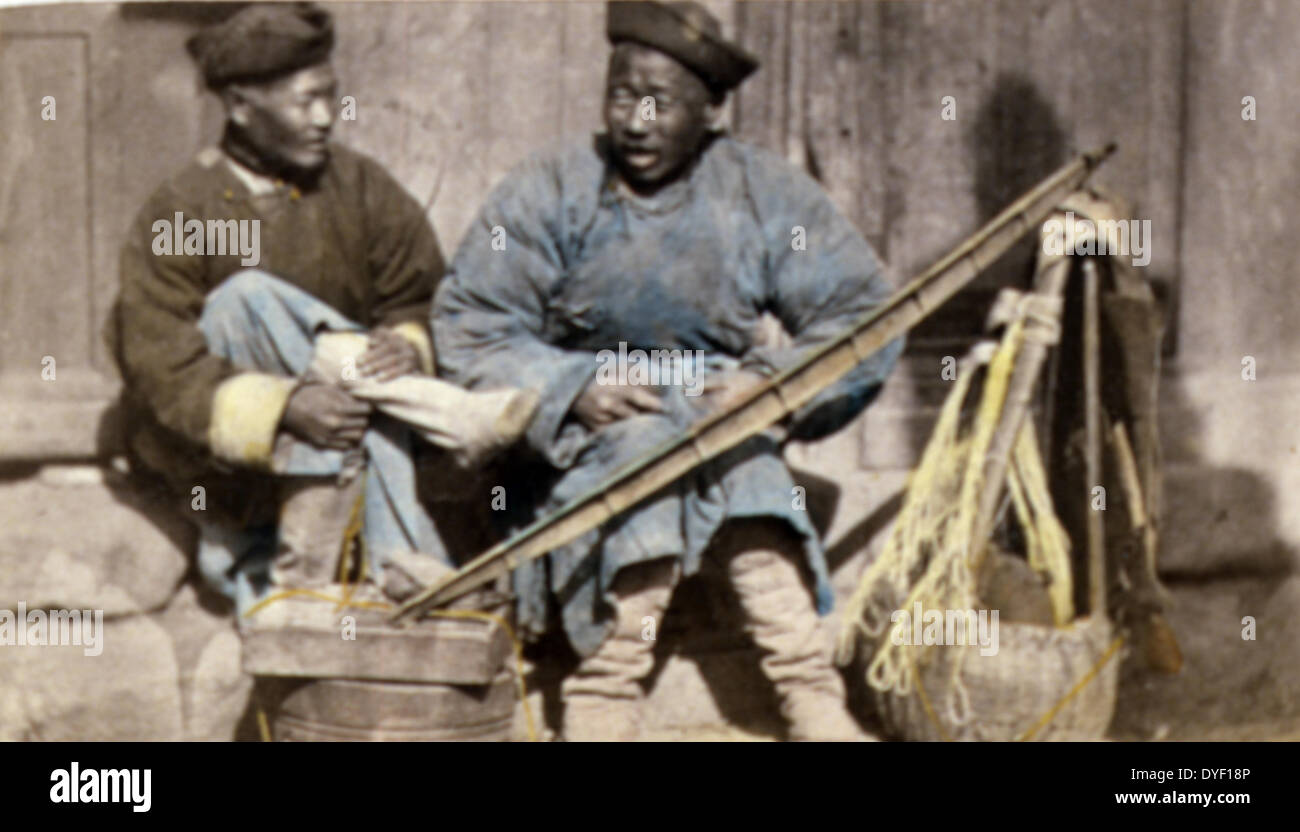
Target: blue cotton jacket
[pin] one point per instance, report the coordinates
(561, 264)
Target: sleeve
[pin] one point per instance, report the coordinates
(489, 314)
(165, 360)
(405, 260)
(822, 278)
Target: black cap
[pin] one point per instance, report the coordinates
(262, 41)
(686, 32)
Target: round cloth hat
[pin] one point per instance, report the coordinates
(685, 31)
(262, 41)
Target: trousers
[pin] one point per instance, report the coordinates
(603, 697)
(262, 323)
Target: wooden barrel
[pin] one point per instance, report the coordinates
(326, 673)
(365, 710)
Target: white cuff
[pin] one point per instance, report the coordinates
(246, 411)
(419, 338)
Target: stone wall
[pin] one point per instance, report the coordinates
(77, 538)
(1233, 441)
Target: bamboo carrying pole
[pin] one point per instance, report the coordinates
(773, 400)
(1092, 430)
(1040, 334)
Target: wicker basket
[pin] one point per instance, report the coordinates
(1034, 673)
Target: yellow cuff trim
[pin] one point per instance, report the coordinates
(246, 411)
(419, 337)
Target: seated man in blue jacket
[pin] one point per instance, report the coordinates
(664, 234)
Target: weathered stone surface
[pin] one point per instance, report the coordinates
(217, 692)
(1277, 649)
(714, 689)
(60, 581)
(92, 545)
(214, 689)
(72, 541)
(13, 718)
(1232, 472)
(1230, 687)
(129, 692)
(192, 618)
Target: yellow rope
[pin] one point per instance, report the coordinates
(262, 727)
(925, 703)
(347, 602)
(928, 557)
(352, 537)
(932, 535)
(1074, 691)
(311, 593)
(1046, 542)
(920, 520)
(1047, 717)
(514, 643)
(996, 383)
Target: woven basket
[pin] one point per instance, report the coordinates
(1035, 671)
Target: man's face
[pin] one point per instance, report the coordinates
(651, 152)
(288, 120)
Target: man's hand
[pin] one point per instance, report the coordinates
(389, 356)
(721, 390)
(325, 416)
(603, 404)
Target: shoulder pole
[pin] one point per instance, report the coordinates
(771, 401)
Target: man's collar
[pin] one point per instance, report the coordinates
(257, 172)
(667, 198)
(256, 183)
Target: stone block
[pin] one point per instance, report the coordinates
(216, 693)
(89, 542)
(130, 691)
(214, 688)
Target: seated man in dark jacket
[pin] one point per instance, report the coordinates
(273, 379)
